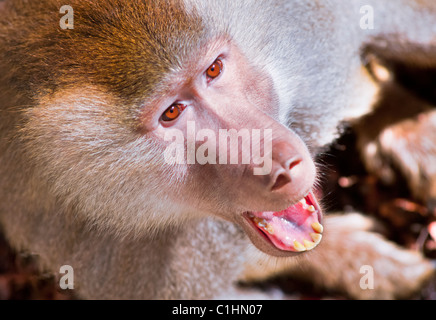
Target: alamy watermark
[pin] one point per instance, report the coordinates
(367, 280)
(67, 280)
(67, 20)
(226, 151)
(367, 20)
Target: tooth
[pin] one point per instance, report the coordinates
(303, 203)
(298, 246)
(269, 229)
(316, 237)
(317, 227)
(260, 222)
(309, 244)
(311, 208)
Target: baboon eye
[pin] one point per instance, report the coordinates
(173, 112)
(214, 70)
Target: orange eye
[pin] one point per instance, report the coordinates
(215, 69)
(173, 112)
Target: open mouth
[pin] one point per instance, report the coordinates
(296, 229)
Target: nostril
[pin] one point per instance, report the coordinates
(293, 162)
(286, 172)
(281, 180)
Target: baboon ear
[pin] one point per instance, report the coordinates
(404, 53)
(413, 69)
(403, 31)
(398, 51)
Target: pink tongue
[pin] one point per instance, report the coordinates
(285, 227)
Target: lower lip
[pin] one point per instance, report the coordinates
(310, 200)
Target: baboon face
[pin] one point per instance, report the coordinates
(151, 120)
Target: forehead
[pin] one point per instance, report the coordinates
(125, 46)
(131, 45)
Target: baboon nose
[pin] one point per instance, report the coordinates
(284, 173)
